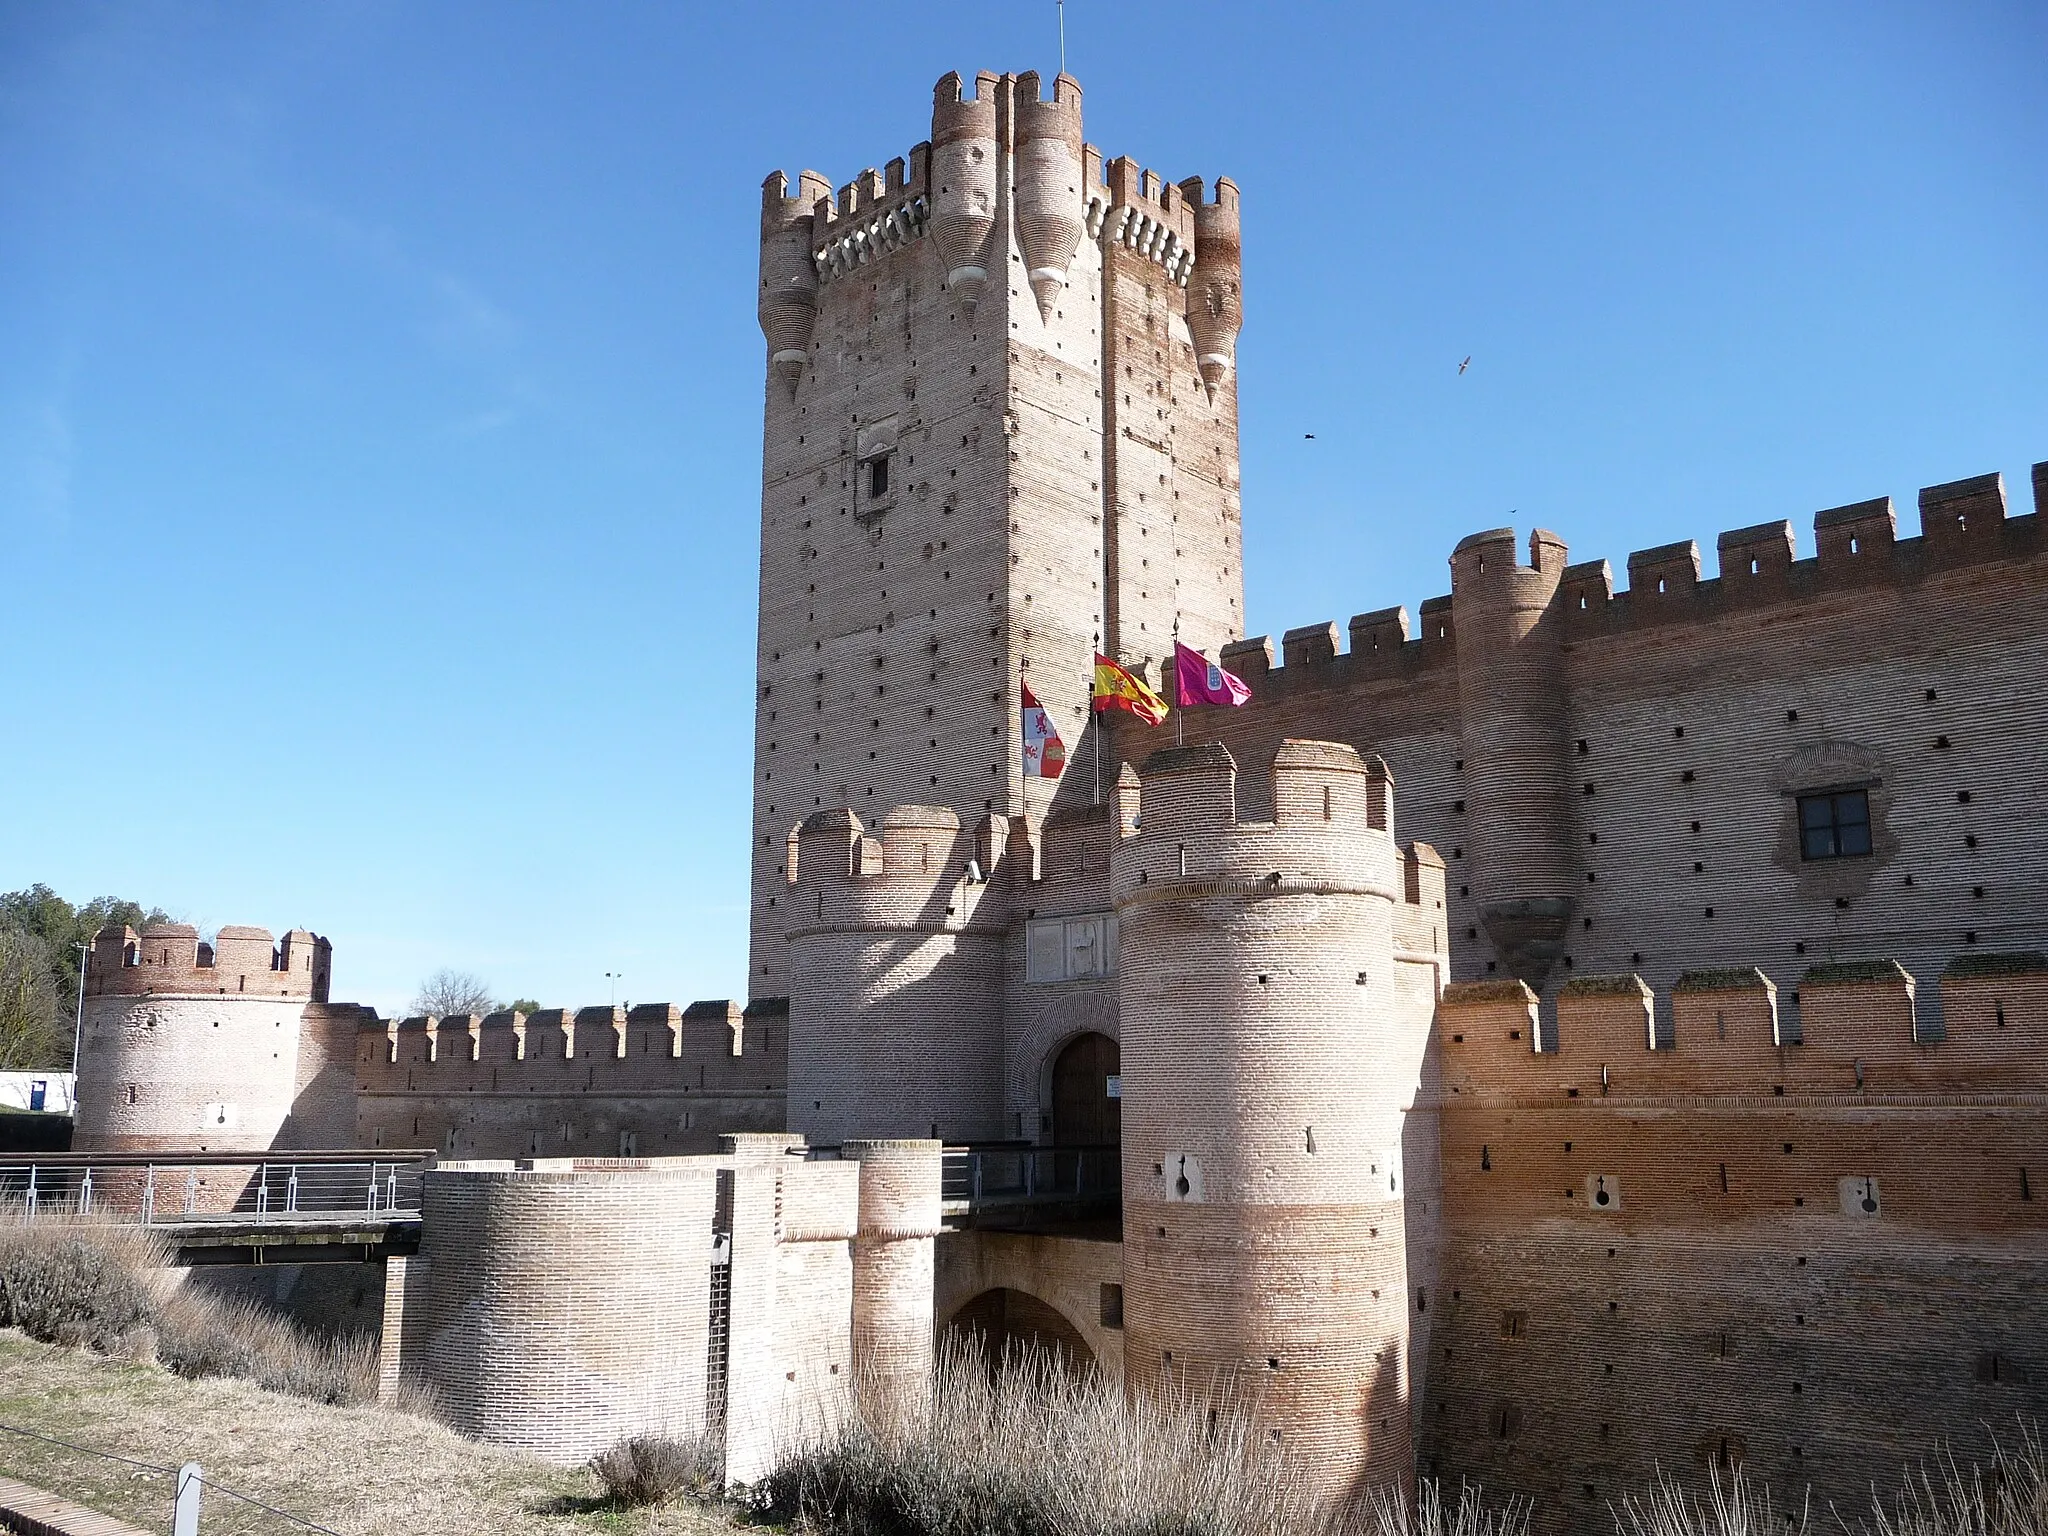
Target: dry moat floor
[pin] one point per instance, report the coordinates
(357, 1471)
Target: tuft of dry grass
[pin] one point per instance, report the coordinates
(648, 1469)
(1031, 1449)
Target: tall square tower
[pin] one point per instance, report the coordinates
(999, 434)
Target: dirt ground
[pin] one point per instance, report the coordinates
(353, 1471)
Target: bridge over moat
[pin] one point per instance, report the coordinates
(343, 1206)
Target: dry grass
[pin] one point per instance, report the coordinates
(110, 1287)
(361, 1471)
(1031, 1450)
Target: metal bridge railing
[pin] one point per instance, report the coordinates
(988, 1178)
(182, 1191)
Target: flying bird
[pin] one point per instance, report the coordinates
(1465, 364)
(1308, 437)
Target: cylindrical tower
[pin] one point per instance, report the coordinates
(1050, 208)
(1512, 716)
(1216, 286)
(192, 1046)
(963, 180)
(895, 978)
(568, 1303)
(789, 278)
(894, 1271)
(1265, 1076)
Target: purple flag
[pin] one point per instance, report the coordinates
(1197, 680)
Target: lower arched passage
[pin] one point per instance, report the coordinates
(1005, 1321)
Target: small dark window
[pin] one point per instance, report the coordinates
(878, 477)
(1835, 826)
(1514, 1325)
(1112, 1306)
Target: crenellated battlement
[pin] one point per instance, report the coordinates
(648, 1048)
(1178, 830)
(1857, 1029)
(1964, 523)
(920, 870)
(171, 959)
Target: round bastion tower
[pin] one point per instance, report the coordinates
(1267, 1063)
(896, 947)
(1512, 713)
(194, 1046)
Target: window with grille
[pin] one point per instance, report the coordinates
(1835, 825)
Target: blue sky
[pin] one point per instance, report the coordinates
(379, 385)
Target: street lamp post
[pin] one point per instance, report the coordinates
(614, 977)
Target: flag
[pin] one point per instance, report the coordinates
(1117, 689)
(1044, 753)
(1197, 680)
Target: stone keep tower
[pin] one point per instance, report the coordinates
(1270, 1057)
(218, 1046)
(999, 433)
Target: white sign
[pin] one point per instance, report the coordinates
(1116, 1087)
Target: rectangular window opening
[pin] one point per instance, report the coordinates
(1834, 825)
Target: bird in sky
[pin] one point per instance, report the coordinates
(1465, 364)
(1308, 437)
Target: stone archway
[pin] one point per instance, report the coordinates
(1006, 1321)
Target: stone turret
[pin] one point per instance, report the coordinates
(896, 974)
(963, 180)
(1216, 285)
(188, 1044)
(1050, 207)
(788, 300)
(1269, 1057)
(1512, 714)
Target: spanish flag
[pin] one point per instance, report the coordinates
(1117, 689)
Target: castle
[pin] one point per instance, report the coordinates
(1577, 1031)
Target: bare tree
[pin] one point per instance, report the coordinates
(452, 994)
(32, 1024)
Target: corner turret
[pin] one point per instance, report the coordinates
(787, 305)
(963, 180)
(1050, 205)
(1216, 287)
(1512, 712)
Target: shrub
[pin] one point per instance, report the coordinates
(62, 1284)
(649, 1468)
(71, 1280)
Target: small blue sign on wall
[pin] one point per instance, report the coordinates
(38, 1093)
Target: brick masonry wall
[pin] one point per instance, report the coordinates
(1692, 716)
(1814, 1260)
(218, 1073)
(567, 1304)
(656, 1082)
(1067, 1274)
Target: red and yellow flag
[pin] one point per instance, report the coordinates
(1117, 689)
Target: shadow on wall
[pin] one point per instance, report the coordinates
(1007, 1321)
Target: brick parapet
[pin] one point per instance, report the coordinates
(1857, 548)
(1861, 1034)
(170, 959)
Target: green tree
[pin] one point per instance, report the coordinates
(59, 928)
(33, 1020)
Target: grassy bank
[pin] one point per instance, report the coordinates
(362, 1471)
